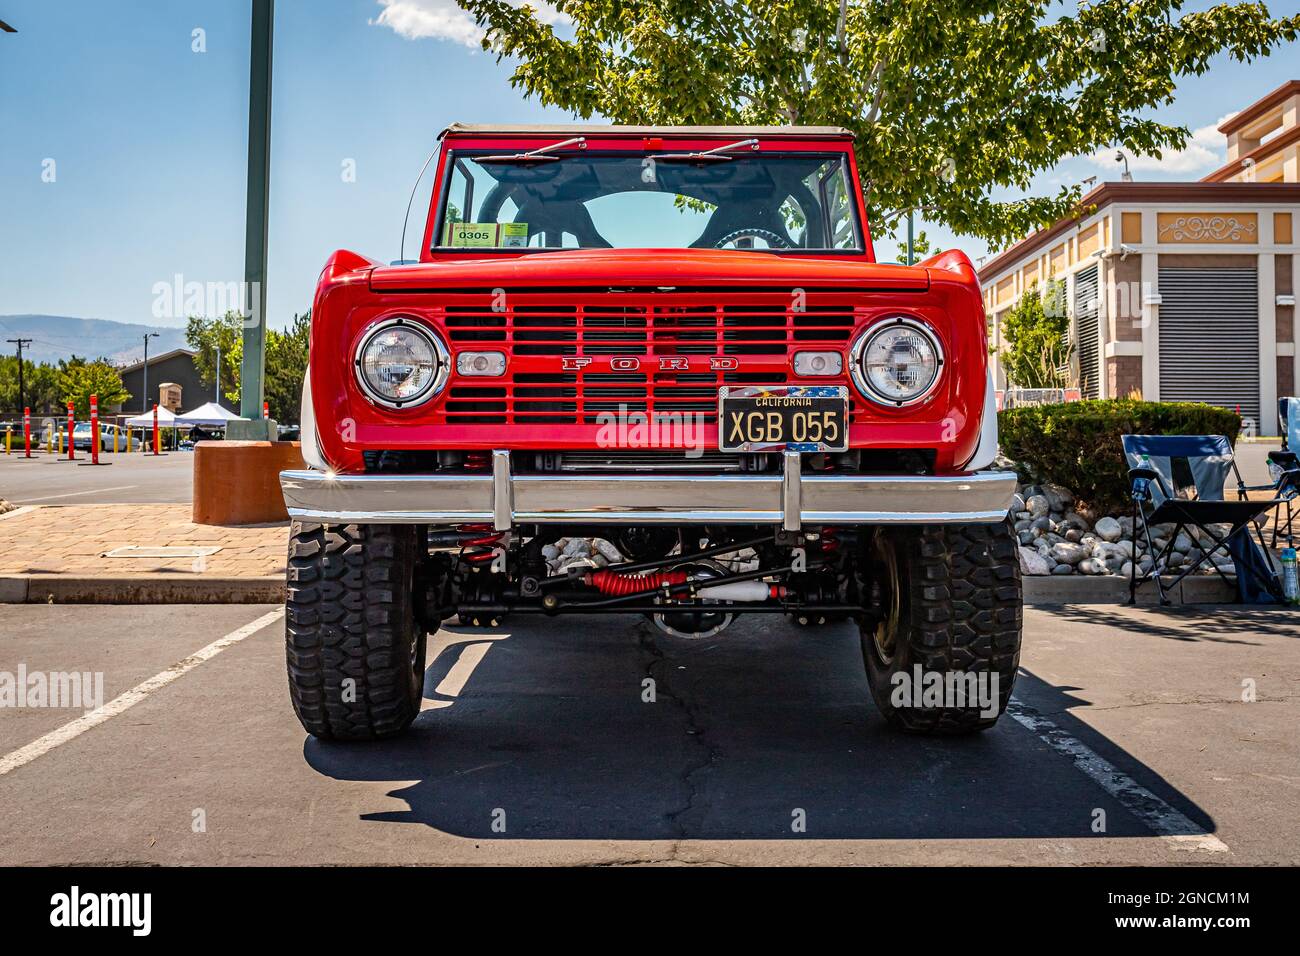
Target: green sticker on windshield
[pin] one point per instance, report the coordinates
(514, 234)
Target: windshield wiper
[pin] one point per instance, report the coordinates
(543, 154)
(716, 155)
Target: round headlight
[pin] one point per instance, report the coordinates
(399, 364)
(897, 362)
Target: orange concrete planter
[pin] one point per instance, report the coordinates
(238, 482)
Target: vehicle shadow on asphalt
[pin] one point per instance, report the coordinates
(1218, 624)
(748, 733)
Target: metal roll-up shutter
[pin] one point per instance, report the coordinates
(1086, 306)
(1209, 337)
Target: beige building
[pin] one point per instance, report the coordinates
(1180, 291)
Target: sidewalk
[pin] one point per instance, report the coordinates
(60, 554)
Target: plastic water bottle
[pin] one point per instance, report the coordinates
(1290, 585)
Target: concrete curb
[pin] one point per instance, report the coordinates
(190, 589)
(1113, 589)
(140, 589)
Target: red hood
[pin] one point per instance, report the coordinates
(649, 267)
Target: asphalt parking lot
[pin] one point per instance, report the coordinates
(127, 479)
(537, 746)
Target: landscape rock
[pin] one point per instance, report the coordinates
(1031, 562)
(1066, 552)
(1108, 529)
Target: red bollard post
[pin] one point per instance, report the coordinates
(156, 449)
(27, 433)
(266, 409)
(94, 429)
(72, 455)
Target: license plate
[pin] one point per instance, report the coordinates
(792, 417)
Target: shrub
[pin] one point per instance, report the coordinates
(1077, 444)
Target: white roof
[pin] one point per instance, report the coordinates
(165, 419)
(597, 129)
(209, 414)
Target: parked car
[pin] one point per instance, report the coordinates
(676, 340)
(82, 438)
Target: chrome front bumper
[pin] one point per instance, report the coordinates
(790, 499)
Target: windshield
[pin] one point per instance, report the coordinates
(594, 200)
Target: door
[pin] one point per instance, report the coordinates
(1209, 337)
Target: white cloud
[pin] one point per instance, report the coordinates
(1205, 151)
(445, 20)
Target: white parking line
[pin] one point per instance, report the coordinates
(1158, 817)
(74, 494)
(74, 729)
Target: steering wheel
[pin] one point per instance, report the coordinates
(773, 240)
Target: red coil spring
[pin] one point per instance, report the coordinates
(488, 541)
(611, 582)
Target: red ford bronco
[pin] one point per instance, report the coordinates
(674, 342)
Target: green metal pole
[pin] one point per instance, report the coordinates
(910, 258)
(253, 365)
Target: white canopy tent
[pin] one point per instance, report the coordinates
(165, 420)
(211, 414)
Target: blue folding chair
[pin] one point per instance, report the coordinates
(1283, 469)
(1178, 480)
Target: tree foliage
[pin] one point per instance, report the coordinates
(40, 387)
(286, 359)
(207, 337)
(286, 368)
(77, 379)
(948, 100)
(1037, 332)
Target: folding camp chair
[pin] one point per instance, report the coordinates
(1178, 480)
(1284, 470)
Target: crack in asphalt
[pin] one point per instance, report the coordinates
(658, 668)
(1178, 702)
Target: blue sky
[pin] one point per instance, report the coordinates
(148, 141)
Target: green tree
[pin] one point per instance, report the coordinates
(40, 389)
(949, 101)
(1037, 332)
(286, 359)
(286, 368)
(208, 336)
(78, 379)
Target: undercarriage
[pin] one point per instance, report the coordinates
(691, 582)
(936, 601)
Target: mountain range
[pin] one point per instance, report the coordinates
(57, 337)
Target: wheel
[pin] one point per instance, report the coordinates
(947, 599)
(354, 646)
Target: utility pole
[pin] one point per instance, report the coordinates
(20, 343)
(256, 223)
(144, 407)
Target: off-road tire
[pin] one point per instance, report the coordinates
(350, 615)
(959, 608)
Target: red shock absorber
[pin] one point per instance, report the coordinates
(611, 582)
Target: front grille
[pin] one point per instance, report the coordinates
(758, 332)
